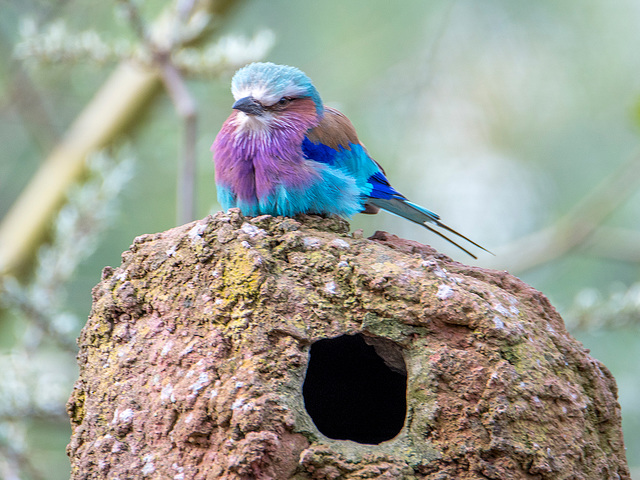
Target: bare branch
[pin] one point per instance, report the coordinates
(574, 229)
(186, 108)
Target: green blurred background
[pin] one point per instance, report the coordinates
(501, 116)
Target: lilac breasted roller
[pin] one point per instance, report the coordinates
(282, 152)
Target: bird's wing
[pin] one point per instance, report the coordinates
(335, 142)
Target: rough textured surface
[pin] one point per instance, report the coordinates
(192, 362)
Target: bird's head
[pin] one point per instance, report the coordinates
(265, 91)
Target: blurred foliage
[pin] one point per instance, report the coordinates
(501, 116)
(38, 365)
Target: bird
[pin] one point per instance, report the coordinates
(282, 152)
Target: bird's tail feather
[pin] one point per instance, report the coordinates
(423, 217)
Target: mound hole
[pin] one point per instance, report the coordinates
(355, 388)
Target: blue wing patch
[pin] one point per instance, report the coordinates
(354, 161)
(318, 152)
(381, 187)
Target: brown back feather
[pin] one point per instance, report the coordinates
(334, 130)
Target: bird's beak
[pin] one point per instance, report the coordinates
(249, 105)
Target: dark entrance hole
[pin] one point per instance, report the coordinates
(352, 392)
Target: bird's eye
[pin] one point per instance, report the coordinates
(283, 102)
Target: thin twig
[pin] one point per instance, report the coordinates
(23, 461)
(574, 229)
(186, 108)
(615, 244)
(43, 322)
(135, 19)
(182, 101)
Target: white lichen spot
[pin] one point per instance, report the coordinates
(245, 244)
(444, 292)
(214, 393)
(237, 404)
(312, 242)
(412, 273)
(340, 244)
(435, 268)
(239, 385)
(502, 310)
(171, 252)
(196, 231)
(497, 321)
(512, 298)
(122, 276)
(514, 310)
(252, 230)
(148, 468)
(189, 418)
(124, 416)
(186, 351)
(167, 348)
(178, 468)
(203, 380)
(330, 287)
(167, 394)
(343, 264)
(536, 401)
